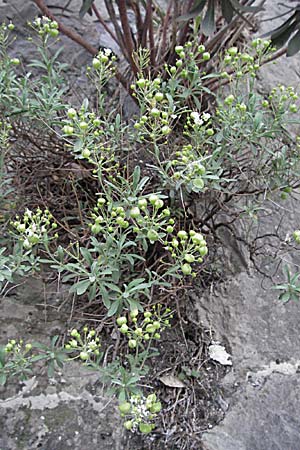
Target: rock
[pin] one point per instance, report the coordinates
(261, 419)
(68, 411)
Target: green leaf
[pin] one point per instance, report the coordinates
(87, 255)
(38, 358)
(54, 340)
(51, 369)
(85, 8)
(80, 287)
(280, 39)
(136, 176)
(92, 292)
(2, 379)
(114, 307)
(133, 304)
(244, 8)
(285, 297)
(294, 45)
(194, 12)
(208, 23)
(227, 10)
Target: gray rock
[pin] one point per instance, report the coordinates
(261, 419)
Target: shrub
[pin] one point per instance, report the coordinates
(133, 236)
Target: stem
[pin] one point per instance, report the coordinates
(151, 36)
(112, 15)
(105, 26)
(127, 34)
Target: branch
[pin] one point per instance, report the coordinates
(105, 26)
(127, 34)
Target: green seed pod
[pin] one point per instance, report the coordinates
(229, 100)
(124, 328)
(150, 328)
(96, 63)
(84, 356)
(203, 251)
(165, 130)
(189, 258)
(159, 96)
(135, 212)
(132, 343)
(155, 112)
(83, 125)
(134, 313)
(182, 235)
(121, 320)
(71, 113)
(155, 408)
(296, 236)
(141, 83)
(179, 48)
(124, 407)
(67, 129)
(53, 33)
(152, 235)
(128, 424)
(96, 228)
(86, 153)
(186, 269)
(232, 51)
(145, 428)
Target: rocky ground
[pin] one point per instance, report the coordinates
(261, 392)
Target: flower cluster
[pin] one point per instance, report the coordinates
(157, 113)
(241, 63)
(90, 141)
(186, 249)
(13, 347)
(147, 218)
(188, 168)
(140, 411)
(45, 27)
(34, 227)
(102, 70)
(149, 326)
(282, 99)
(86, 344)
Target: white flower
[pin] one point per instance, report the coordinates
(107, 51)
(28, 213)
(206, 116)
(196, 118)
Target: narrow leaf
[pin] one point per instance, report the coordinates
(208, 23)
(194, 12)
(294, 45)
(227, 10)
(244, 8)
(86, 5)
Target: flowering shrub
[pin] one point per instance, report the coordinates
(133, 236)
